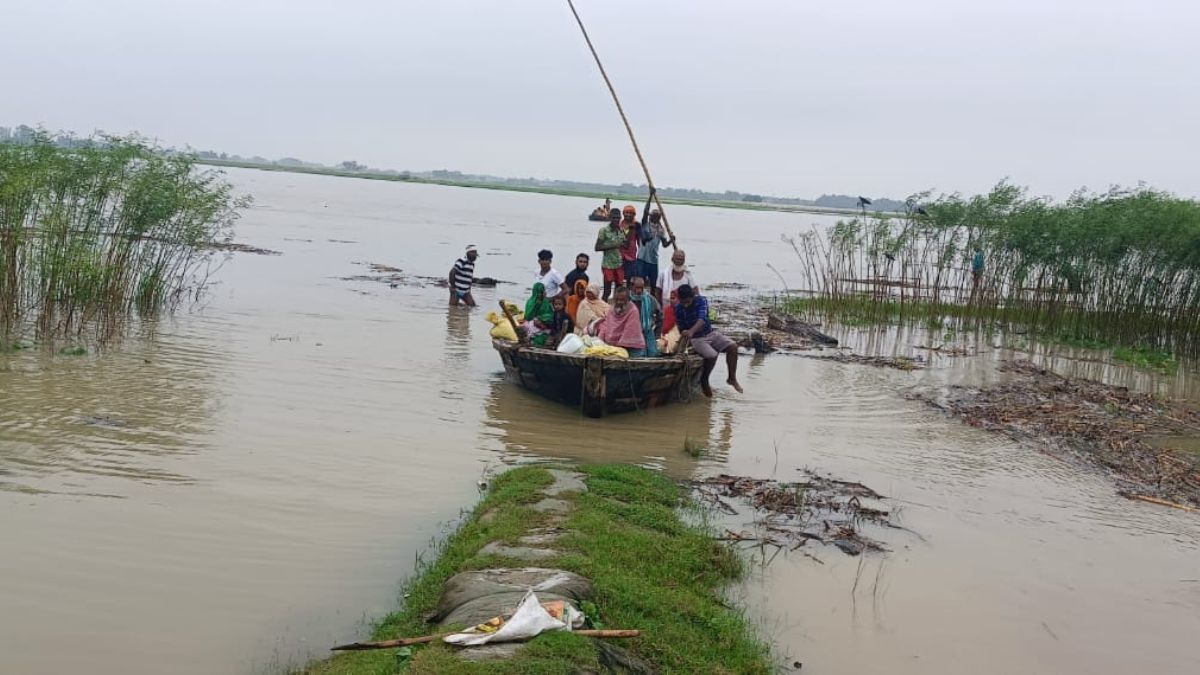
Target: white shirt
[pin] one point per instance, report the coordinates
(668, 284)
(552, 280)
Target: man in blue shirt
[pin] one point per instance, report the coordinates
(691, 316)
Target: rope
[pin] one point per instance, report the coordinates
(620, 109)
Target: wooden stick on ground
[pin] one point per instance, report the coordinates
(1160, 502)
(404, 642)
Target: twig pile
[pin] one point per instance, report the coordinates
(1106, 425)
(789, 515)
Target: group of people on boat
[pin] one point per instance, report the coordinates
(634, 306)
(601, 212)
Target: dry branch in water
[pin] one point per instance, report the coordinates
(817, 508)
(1110, 427)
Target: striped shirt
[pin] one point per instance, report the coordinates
(464, 274)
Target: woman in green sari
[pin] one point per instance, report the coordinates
(538, 315)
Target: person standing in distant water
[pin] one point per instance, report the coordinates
(691, 315)
(609, 241)
(580, 272)
(653, 237)
(629, 249)
(675, 276)
(549, 277)
(462, 275)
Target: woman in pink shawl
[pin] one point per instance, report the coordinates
(622, 326)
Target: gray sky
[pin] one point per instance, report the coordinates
(788, 97)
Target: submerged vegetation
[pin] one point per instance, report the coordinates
(95, 233)
(1120, 267)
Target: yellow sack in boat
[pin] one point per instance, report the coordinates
(504, 331)
(606, 350)
(501, 328)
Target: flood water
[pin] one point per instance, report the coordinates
(245, 486)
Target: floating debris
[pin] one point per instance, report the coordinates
(795, 326)
(947, 350)
(791, 514)
(395, 277)
(235, 247)
(897, 362)
(1105, 426)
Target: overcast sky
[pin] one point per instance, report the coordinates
(786, 97)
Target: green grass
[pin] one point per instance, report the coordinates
(937, 317)
(1149, 358)
(649, 570)
(15, 346)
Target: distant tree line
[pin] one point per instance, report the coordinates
(24, 134)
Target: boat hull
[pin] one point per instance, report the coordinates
(601, 385)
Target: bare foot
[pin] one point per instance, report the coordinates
(704, 387)
(737, 387)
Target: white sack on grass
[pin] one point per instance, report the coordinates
(529, 620)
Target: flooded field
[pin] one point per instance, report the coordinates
(242, 488)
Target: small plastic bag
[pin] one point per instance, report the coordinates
(529, 620)
(571, 344)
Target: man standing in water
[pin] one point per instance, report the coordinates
(691, 315)
(609, 241)
(462, 275)
(549, 277)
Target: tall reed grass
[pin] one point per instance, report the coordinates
(93, 235)
(1120, 267)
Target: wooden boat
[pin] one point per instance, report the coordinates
(597, 217)
(601, 385)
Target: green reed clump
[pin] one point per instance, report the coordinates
(92, 234)
(1122, 267)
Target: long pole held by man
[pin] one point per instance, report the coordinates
(628, 129)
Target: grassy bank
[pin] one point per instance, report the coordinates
(649, 571)
(599, 196)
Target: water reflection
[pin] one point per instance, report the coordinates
(529, 426)
(84, 424)
(455, 363)
(989, 349)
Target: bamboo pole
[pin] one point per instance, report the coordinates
(522, 338)
(629, 129)
(405, 642)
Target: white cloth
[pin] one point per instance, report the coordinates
(668, 284)
(552, 280)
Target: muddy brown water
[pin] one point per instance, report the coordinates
(245, 487)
